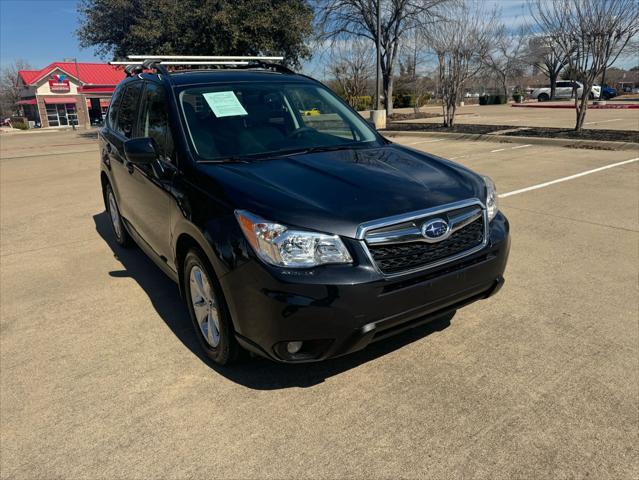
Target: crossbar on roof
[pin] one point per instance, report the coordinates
(183, 63)
(205, 57)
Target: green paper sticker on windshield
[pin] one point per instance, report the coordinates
(224, 104)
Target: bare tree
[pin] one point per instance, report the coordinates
(351, 66)
(9, 90)
(410, 79)
(460, 44)
(548, 58)
(595, 32)
(506, 57)
(339, 19)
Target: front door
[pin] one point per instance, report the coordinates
(563, 89)
(150, 195)
(62, 114)
(122, 119)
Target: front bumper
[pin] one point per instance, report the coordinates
(337, 310)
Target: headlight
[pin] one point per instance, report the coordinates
(491, 198)
(283, 247)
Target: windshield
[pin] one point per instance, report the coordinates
(258, 118)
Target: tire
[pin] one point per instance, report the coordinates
(591, 96)
(543, 97)
(122, 237)
(217, 338)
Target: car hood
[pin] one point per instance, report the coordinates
(336, 191)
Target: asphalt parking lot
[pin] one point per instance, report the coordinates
(101, 376)
(598, 119)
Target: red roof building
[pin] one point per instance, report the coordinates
(68, 93)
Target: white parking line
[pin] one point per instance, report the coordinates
(603, 121)
(511, 148)
(425, 141)
(564, 179)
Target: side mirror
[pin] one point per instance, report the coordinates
(140, 150)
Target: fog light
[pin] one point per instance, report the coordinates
(293, 347)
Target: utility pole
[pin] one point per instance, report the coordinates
(378, 78)
(83, 102)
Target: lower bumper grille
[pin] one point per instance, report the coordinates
(395, 258)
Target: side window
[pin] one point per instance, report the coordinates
(154, 121)
(128, 109)
(563, 84)
(113, 107)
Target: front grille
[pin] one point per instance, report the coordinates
(399, 257)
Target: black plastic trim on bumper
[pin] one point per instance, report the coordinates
(336, 304)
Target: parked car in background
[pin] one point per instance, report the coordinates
(627, 87)
(563, 90)
(608, 92)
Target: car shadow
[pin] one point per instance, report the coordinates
(256, 373)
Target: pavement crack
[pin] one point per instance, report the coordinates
(546, 214)
(21, 252)
(47, 154)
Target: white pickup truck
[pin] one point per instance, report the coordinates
(564, 90)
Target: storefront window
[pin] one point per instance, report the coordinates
(52, 116)
(62, 114)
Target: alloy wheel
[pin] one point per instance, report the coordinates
(205, 306)
(116, 221)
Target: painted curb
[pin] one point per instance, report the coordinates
(608, 106)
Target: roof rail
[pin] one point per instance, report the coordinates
(138, 63)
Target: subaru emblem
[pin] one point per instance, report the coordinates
(435, 230)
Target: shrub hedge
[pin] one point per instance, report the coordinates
(492, 99)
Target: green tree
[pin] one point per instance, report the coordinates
(196, 27)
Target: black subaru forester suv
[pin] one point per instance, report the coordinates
(293, 229)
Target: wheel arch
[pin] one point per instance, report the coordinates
(183, 244)
(193, 238)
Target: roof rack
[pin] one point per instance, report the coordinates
(205, 57)
(138, 63)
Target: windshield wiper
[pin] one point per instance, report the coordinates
(322, 148)
(283, 153)
(231, 159)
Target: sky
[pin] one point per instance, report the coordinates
(42, 31)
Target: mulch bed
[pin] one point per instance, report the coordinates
(438, 127)
(600, 135)
(412, 116)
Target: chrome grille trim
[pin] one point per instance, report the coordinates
(414, 234)
(408, 234)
